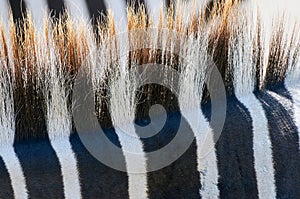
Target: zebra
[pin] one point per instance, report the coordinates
(77, 9)
(64, 168)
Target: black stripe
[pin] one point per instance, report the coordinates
(56, 7)
(98, 180)
(178, 180)
(235, 152)
(6, 190)
(168, 3)
(95, 9)
(181, 178)
(29, 109)
(284, 138)
(41, 169)
(18, 8)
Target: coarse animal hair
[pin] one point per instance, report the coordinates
(71, 44)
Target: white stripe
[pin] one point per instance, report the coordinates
(37, 9)
(59, 124)
(70, 174)
(262, 147)
(294, 90)
(78, 9)
(118, 9)
(154, 7)
(137, 185)
(15, 171)
(7, 125)
(58, 130)
(122, 110)
(286, 103)
(241, 59)
(135, 162)
(206, 157)
(4, 10)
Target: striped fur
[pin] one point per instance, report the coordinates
(257, 155)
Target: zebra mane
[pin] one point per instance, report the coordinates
(36, 60)
(189, 100)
